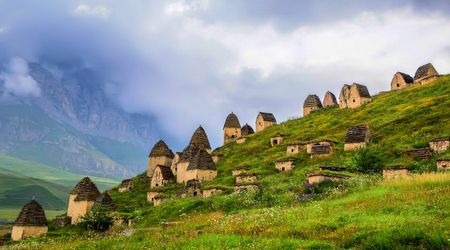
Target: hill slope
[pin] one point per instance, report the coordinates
(360, 212)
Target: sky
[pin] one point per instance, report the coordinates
(193, 62)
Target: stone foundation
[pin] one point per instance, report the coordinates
(22, 232)
(211, 191)
(439, 146)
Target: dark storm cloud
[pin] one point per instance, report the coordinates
(193, 62)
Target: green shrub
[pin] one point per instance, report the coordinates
(367, 160)
(98, 219)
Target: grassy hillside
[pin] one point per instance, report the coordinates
(21, 180)
(407, 214)
(361, 212)
(44, 172)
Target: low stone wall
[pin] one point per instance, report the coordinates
(354, 146)
(284, 165)
(443, 164)
(212, 191)
(440, 146)
(240, 179)
(395, 173)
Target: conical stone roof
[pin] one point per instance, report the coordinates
(246, 130)
(161, 149)
(32, 214)
(312, 101)
(232, 121)
(200, 139)
(425, 71)
(202, 160)
(85, 190)
(188, 153)
(106, 202)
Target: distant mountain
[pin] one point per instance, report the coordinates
(74, 126)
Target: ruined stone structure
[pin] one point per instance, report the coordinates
(175, 161)
(201, 167)
(322, 142)
(247, 130)
(216, 157)
(285, 165)
(264, 120)
(318, 150)
(30, 222)
(419, 153)
(358, 136)
(443, 164)
(158, 200)
(395, 172)
(295, 148)
(208, 192)
(106, 202)
(439, 145)
(246, 188)
(62, 221)
(231, 129)
(246, 178)
(200, 139)
(192, 189)
(276, 140)
(81, 199)
(241, 140)
(152, 194)
(353, 96)
(425, 74)
(161, 176)
(126, 185)
(312, 103)
(159, 155)
(240, 170)
(329, 100)
(314, 178)
(401, 80)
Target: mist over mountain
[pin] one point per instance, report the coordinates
(68, 121)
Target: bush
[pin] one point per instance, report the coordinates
(367, 160)
(98, 219)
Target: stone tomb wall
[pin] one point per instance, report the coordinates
(22, 232)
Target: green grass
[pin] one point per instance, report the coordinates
(412, 213)
(361, 212)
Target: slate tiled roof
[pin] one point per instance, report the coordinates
(440, 139)
(166, 172)
(320, 149)
(422, 71)
(419, 153)
(247, 130)
(358, 134)
(269, 117)
(32, 214)
(362, 90)
(312, 101)
(85, 190)
(106, 202)
(188, 153)
(161, 149)
(232, 121)
(200, 139)
(202, 160)
(407, 78)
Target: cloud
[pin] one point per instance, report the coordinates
(181, 7)
(98, 11)
(193, 62)
(17, 81)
